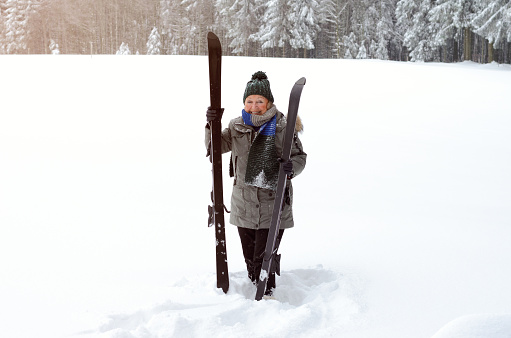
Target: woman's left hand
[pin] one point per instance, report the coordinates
(287, 166)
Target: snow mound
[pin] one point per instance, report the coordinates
(309, 302)
(477, 326)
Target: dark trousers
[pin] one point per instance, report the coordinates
(253, 243)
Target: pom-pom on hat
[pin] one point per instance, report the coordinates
(259, 85)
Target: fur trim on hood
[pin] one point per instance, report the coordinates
(298, 125)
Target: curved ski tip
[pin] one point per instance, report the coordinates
(301, 81)
(212, 36)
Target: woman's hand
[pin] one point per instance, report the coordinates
(287, 166)
(213, 114)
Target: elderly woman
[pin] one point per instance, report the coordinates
(255, 139)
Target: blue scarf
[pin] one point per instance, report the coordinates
(268, 128)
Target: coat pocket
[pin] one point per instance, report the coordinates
(237, 201)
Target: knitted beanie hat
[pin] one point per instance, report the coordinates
(259, 85)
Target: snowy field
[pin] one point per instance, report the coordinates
(403, 213)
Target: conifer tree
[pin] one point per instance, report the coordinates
(447, 21)
(199, 19)
(362, 51)
(412, 17)
(351, 46)
(242, 18)
(124, 49)
(494, 21)
(54, 47)
(304, 14)
(16, 28)
(275, 31)
(332, 27)
(172, 28)
(381, 51)
(154, 43)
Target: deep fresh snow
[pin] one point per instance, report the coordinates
(403, 213)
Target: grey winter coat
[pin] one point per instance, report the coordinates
(252, 207)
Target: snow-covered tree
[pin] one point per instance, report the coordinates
(275, 31)
(385, 37)
(362, 52)
(154, 43)
(305, 17)
(494, 21)
(54, 47)
(447, 21)
(412, 17)
(381, 51)
(124, 49)
(405, 9)
(173, 26)
(242, 19)
(16, 31)
(351, 46)
(199, 19)
(369, 34)
(332, 28)
(372, 23)
(358, 23)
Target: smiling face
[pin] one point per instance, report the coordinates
(256, 104)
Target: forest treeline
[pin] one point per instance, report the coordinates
(403, 30)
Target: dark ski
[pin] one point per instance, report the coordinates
(216, 211)
(294, 101)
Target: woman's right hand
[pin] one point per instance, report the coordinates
(213, 114)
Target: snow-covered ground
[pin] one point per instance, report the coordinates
(403, 213)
